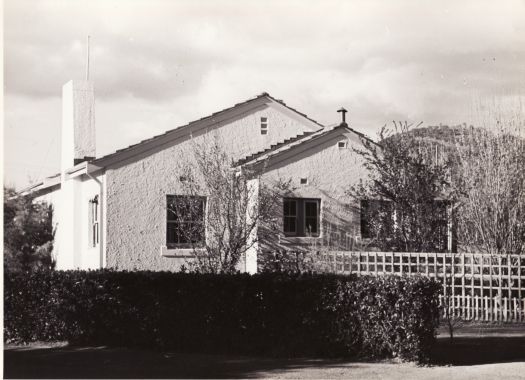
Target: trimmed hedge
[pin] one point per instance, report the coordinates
(270, 314)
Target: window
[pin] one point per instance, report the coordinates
(304, 181)
(264, 125)
(93, 222)
(341, 144)
(185, 221)
(301, 216)
(290, 216)
(311, 213)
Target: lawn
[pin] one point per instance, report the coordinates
(479, 351)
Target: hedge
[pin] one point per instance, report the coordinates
(266, 314)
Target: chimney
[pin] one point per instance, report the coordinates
(343, 114)
(78, 123)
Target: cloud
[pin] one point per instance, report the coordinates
(159, 64)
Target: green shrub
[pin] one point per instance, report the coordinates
(268, 314)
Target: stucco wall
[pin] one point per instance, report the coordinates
(330, 172)
(137, 189)
(71, 248)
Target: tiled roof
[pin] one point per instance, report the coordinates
(273, 147)
(296, 141)
(213, 115)
(286, 144)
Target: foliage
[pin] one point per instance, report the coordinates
(28, 233)
(236, 205)
(402, 193)
(269, 314)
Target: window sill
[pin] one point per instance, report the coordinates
(300, 239)
(178, 252)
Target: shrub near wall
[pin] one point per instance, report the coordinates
(269, 314)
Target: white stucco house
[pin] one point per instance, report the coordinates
(110, 211)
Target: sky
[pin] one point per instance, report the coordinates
(158, 64)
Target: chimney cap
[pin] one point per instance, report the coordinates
(343, 113)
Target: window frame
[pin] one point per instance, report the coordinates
(294, 216)
(93, 216)
(301, 229)
(189, 244)
(317, 203)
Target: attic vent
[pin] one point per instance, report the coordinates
(304, 181)
(264, 125)
(341, 144)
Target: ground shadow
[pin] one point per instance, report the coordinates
(480, 350)
(102, 362)
(481, 345)
(472, 345)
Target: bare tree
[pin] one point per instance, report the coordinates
(491, 183)
(219, 215)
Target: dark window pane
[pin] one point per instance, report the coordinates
(310, 209)
(185, 220)
(290, 224)
(311, 225)
(365, 219)
(289, 207)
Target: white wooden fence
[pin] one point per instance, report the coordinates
(475, 286)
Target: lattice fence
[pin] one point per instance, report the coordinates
(475, 286)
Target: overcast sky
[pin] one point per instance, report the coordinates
(160, 64)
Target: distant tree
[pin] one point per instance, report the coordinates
(234, 208)
(404, 200)
(28, 233)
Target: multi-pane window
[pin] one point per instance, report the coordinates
(93, 221)
(185, 221)
(301, 216)
(290, 216)
(311, 214)
(264, 125)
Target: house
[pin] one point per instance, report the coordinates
(110, 211)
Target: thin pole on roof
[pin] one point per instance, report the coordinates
(87, 59)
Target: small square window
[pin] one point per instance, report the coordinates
(341, 144)
(304, 181)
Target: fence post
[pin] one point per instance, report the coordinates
(468, 307)
(485, 301)
(436, 274)
(472, 274)
(510, 281)
(476, 302)
(462, 283)
(481, 277)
